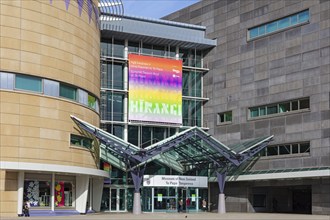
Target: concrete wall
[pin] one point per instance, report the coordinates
(287, 65)
(283, 66)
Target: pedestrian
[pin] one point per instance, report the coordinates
(180, 203)
(204, 208)
(26, 209)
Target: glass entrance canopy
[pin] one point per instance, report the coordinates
(192, 149)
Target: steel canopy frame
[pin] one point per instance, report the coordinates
(187, 150)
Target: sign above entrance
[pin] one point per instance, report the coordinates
(175, 181)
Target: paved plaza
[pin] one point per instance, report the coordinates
(173, 216)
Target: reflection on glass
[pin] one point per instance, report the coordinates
(113, 200)
(105, 200)
(37, 192)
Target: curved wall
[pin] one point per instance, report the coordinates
(42, 38)
(51, 39)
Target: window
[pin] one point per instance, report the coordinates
(6, 81)
(81, 141)
(68, 92)
(112, 106)
(225, 117)
(91, 101)
(286, 149)
(192, 83)
(278, 25)
(51, 87)
(271, 109)
(28, 83)
(191, 113)
(118, 48)
(133, 47)
(192, 58)
(37, 192)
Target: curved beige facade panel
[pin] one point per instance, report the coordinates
(54, 43)
(42, 38)
(35, 128)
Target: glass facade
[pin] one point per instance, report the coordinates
(113, 94)
(118, 196)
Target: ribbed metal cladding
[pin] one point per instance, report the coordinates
(112, 8)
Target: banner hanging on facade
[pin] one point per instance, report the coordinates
(155, 89)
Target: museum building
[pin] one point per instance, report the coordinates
(238, 70)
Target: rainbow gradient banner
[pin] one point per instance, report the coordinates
(155, 89)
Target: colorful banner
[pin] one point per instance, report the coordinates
(59, 194)
(155, 89)
(106, 166)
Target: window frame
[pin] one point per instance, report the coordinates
(277, 29)
(256, 110)
(81, 141)
(222, 118)
(28, 77)
(294, 148)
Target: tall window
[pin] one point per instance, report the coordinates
(278, 25)
(112, 76)
(112, 106)
(191, 57)
(191, 113)
(192, 84)
(112, 48)
(28, 83)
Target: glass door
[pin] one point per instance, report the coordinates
(105, 199)
(113, 201)
(121, 199)
(118, 200)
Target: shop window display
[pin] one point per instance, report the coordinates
(63, 194)
(37, 193)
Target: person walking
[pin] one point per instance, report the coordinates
(204, 208)
(26, 209)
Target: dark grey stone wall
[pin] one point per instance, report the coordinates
(287, 65)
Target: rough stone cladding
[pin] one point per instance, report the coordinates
(286, 65)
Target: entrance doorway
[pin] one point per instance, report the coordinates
(302, 200)
(189, 198)
(114, 200)
(118, 200)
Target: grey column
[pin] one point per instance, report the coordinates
(221, 201)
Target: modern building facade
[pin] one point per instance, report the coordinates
(124, 41)
(49, 70)
(249, 68)
(269, 75)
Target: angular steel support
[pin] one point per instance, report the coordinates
(221, 201)
(137, 176)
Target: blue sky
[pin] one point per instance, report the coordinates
(154, 8)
